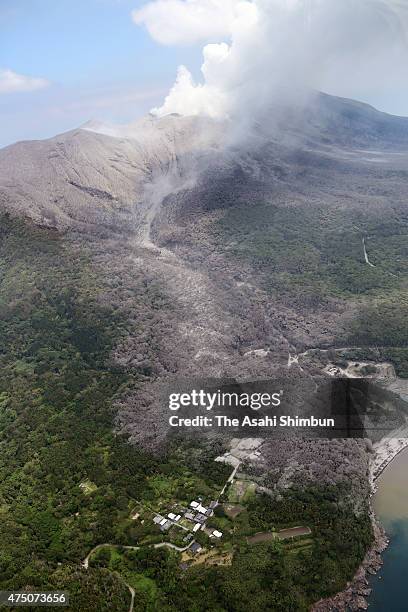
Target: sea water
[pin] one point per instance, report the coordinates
(390, 585)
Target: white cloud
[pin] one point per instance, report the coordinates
(275, 47)
(173, 22)
(11, 82)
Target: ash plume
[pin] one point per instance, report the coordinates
(260, 53)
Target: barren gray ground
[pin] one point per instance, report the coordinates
(155, 203)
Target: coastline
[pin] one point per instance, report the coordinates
(385, 452)
(354, 597)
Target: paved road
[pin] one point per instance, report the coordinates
(85, 562)
(132, 591)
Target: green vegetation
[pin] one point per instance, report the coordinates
(241, 490)
(178, 483)
(384, 325)
(144, 570)
(94, 589)
(279, 575)
(66, 479)
(67, 482)
(309, 253)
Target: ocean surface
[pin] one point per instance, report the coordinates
(390, 585)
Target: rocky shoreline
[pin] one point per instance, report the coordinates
(354, 597)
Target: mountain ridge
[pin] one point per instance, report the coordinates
(114, 169)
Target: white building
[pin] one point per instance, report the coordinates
(158, 519)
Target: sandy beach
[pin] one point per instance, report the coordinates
(385, 451)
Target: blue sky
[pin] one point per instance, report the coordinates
(64, 62)
(98, 63)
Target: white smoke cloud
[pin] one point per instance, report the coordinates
(275, 48)
(172, 22)
(11, 82)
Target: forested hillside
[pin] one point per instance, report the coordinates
(68, 482)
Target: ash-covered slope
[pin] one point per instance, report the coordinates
(95, 177)
(186, 251)
(355, 124)
(267, 246)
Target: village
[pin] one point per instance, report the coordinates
(191, 519)
(200, 527)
